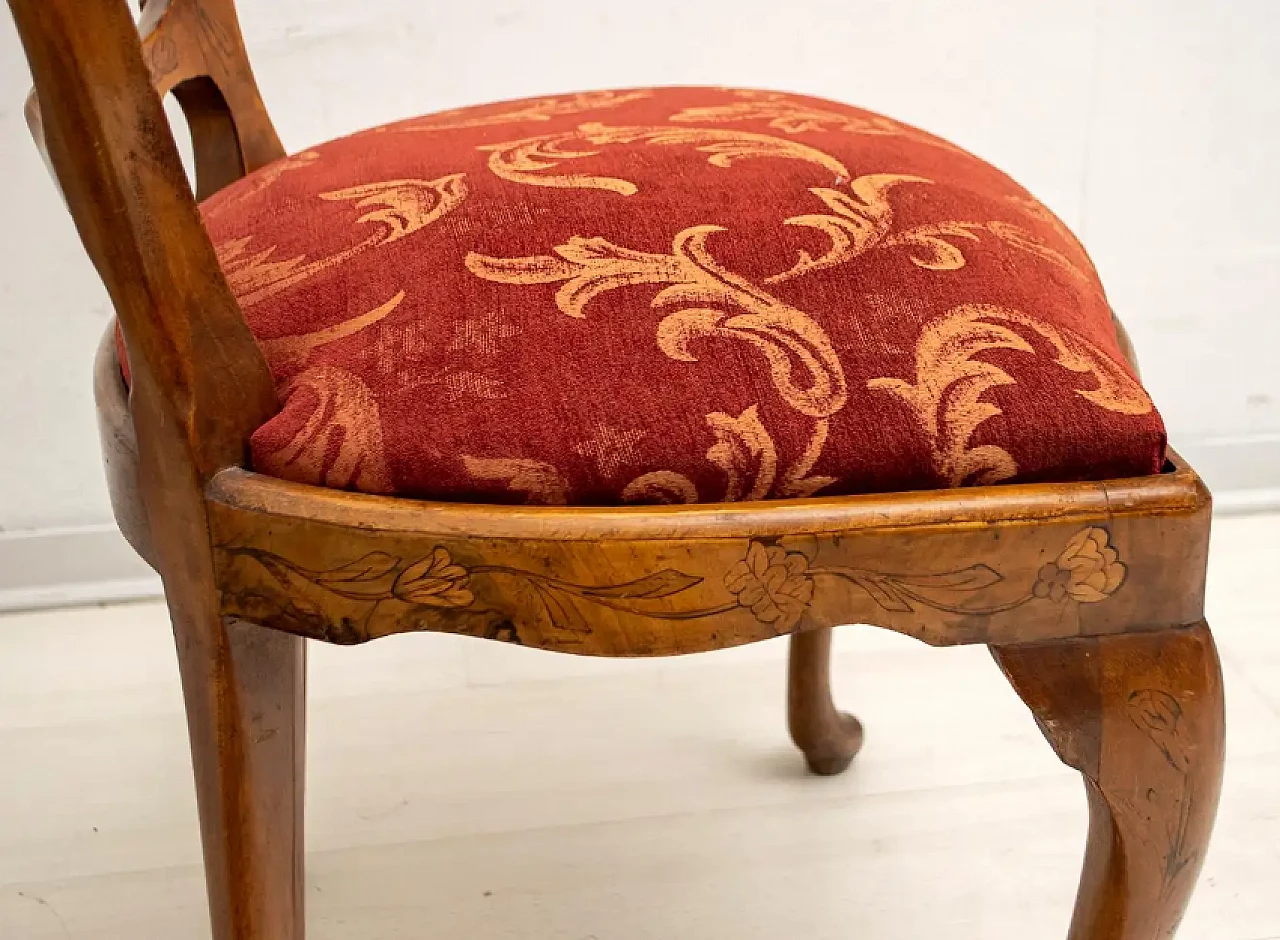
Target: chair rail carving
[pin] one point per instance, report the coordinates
(755, 587)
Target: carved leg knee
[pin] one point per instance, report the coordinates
(1140, 716)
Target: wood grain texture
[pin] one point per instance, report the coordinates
(120, 447)
(1141, 717)
(996, 565)
(245, 691)
(194, 48)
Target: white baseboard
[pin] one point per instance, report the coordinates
(94, 564)
(1243, 473)
(71, 566)
(1246, 502)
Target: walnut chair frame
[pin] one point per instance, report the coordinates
(1090, 595)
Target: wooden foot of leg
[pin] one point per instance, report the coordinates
(245, 690)
(1140, 716)
(828, 738)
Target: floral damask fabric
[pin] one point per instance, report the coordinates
(671, 295)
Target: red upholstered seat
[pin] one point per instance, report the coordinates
(671, 294)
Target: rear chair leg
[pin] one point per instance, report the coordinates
(245, 690)
(1140, 716)
(828, 738)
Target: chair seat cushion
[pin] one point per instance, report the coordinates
(671, 295)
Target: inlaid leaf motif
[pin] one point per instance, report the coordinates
(436, 583)
(773, 582)
(1158, 715)
(973, 578)
(664, 583)
(560, 608)
(368, 569)
(901, 592)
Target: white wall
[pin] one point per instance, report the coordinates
(1151, 126)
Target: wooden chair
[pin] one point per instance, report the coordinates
(1124, 683)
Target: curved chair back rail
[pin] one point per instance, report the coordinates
(195, 51)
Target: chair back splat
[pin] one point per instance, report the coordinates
(194, 49)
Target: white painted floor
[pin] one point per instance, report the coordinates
(468, 790)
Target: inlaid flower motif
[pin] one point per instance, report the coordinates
(1158, 715)
(1088, 570)
(773, 583)
(435, 581)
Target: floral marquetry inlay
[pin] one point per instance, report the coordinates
(774, 584)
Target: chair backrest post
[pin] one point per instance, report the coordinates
(200, 385)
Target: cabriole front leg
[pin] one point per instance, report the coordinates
(1140, 715)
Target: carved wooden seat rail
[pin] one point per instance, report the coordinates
(1090, 595)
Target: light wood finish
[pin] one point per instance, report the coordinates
(947, 567)
(249, 562)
